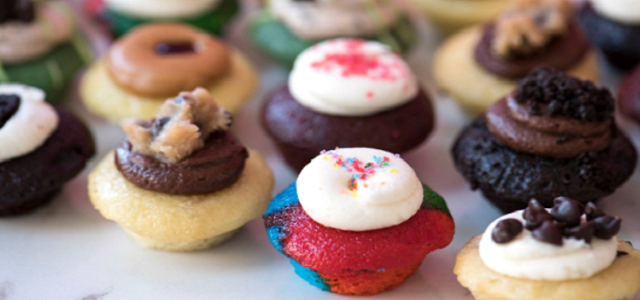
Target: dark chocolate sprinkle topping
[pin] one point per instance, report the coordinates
(506, 231)
(9, 105)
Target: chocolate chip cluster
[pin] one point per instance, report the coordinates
(8, 106)
(552, 93)
(564, 220)
(17, 10)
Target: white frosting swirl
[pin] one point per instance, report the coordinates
(30, 126)
(625, 11)
(162, 9)
(20, 42)
(528, 258)
(386, 193)
(349, 77)
(323, 19)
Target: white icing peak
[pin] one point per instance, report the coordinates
(163, 9)
(625, 11)
(359, 189)
(528, 258)
(30, 126)
(351, 77)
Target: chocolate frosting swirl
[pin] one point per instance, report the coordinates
(213, 168)
(562, 53)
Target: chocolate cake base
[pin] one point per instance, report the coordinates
(31, 181)
(301, 133)
(509, 179)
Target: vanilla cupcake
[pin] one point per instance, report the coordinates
(157, 61)
(181, 181)
(568, 252)
(449, 16)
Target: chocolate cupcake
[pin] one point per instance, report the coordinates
(614, 28)
(181, 181)
(629, 96)
(554, 135)
(42, 147)
(347, 93)
(568, 252)
(491, 59)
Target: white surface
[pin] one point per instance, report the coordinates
(68, 251)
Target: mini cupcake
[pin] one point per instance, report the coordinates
(568, 252)
(358, 221)
(451, 15)
(41, 148)
(157, 61)
(554, 135)
(347, 93)
(39, 46)
(530, 34)
(288, 27)
(122, 16)
(181, 181)
(629, 96)
(614, 28)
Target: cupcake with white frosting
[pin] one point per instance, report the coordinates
(39, 46)
(209, 15)
(288, 27)
(567, 252)
(347, 93)
(614, 28)
(358, 221)
(41, 148)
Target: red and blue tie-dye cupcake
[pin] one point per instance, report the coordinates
(358, 221)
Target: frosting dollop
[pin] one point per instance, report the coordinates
(351, 77)
(551, 114)
(29, 126)
(625, 11)
(162, 9)
(323, 19)
(534, 254)
(359, 189)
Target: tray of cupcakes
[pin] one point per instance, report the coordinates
(281, 149)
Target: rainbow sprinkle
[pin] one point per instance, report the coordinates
(361, 170)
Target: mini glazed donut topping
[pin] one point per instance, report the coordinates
(569, 241)
(624, 11)
(136, 64)
(359, 189)
(26, 121)
(323, 19)
(162, 9)
(351, 77)
(551, 114)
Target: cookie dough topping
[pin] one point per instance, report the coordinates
(551, 114)
(569, 241)
(359, 189)
(26, 120)
(530, 25)
(163, 9)
(180, 128)
(351, 77)
(624, 11)
(29, 30)
(323, 19)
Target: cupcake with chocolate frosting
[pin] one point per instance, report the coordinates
(39, 46)
(449, 16)
(157, 61)
(554, 135)
(347, 93)
(358, 221)
(567, 252)
(614, 28)
(41, 148)
(124, 15)
(288, 27)
(181, 181)
(479, 65)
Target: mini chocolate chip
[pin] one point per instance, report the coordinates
(561, 226)
(607, 227)
(583, 232)
(506, 231)
(9, 105)
(534, 215)
(174, 48)
(158, 126)
(548, 233)
(568, 211)
(592, 211)
(621, 253)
